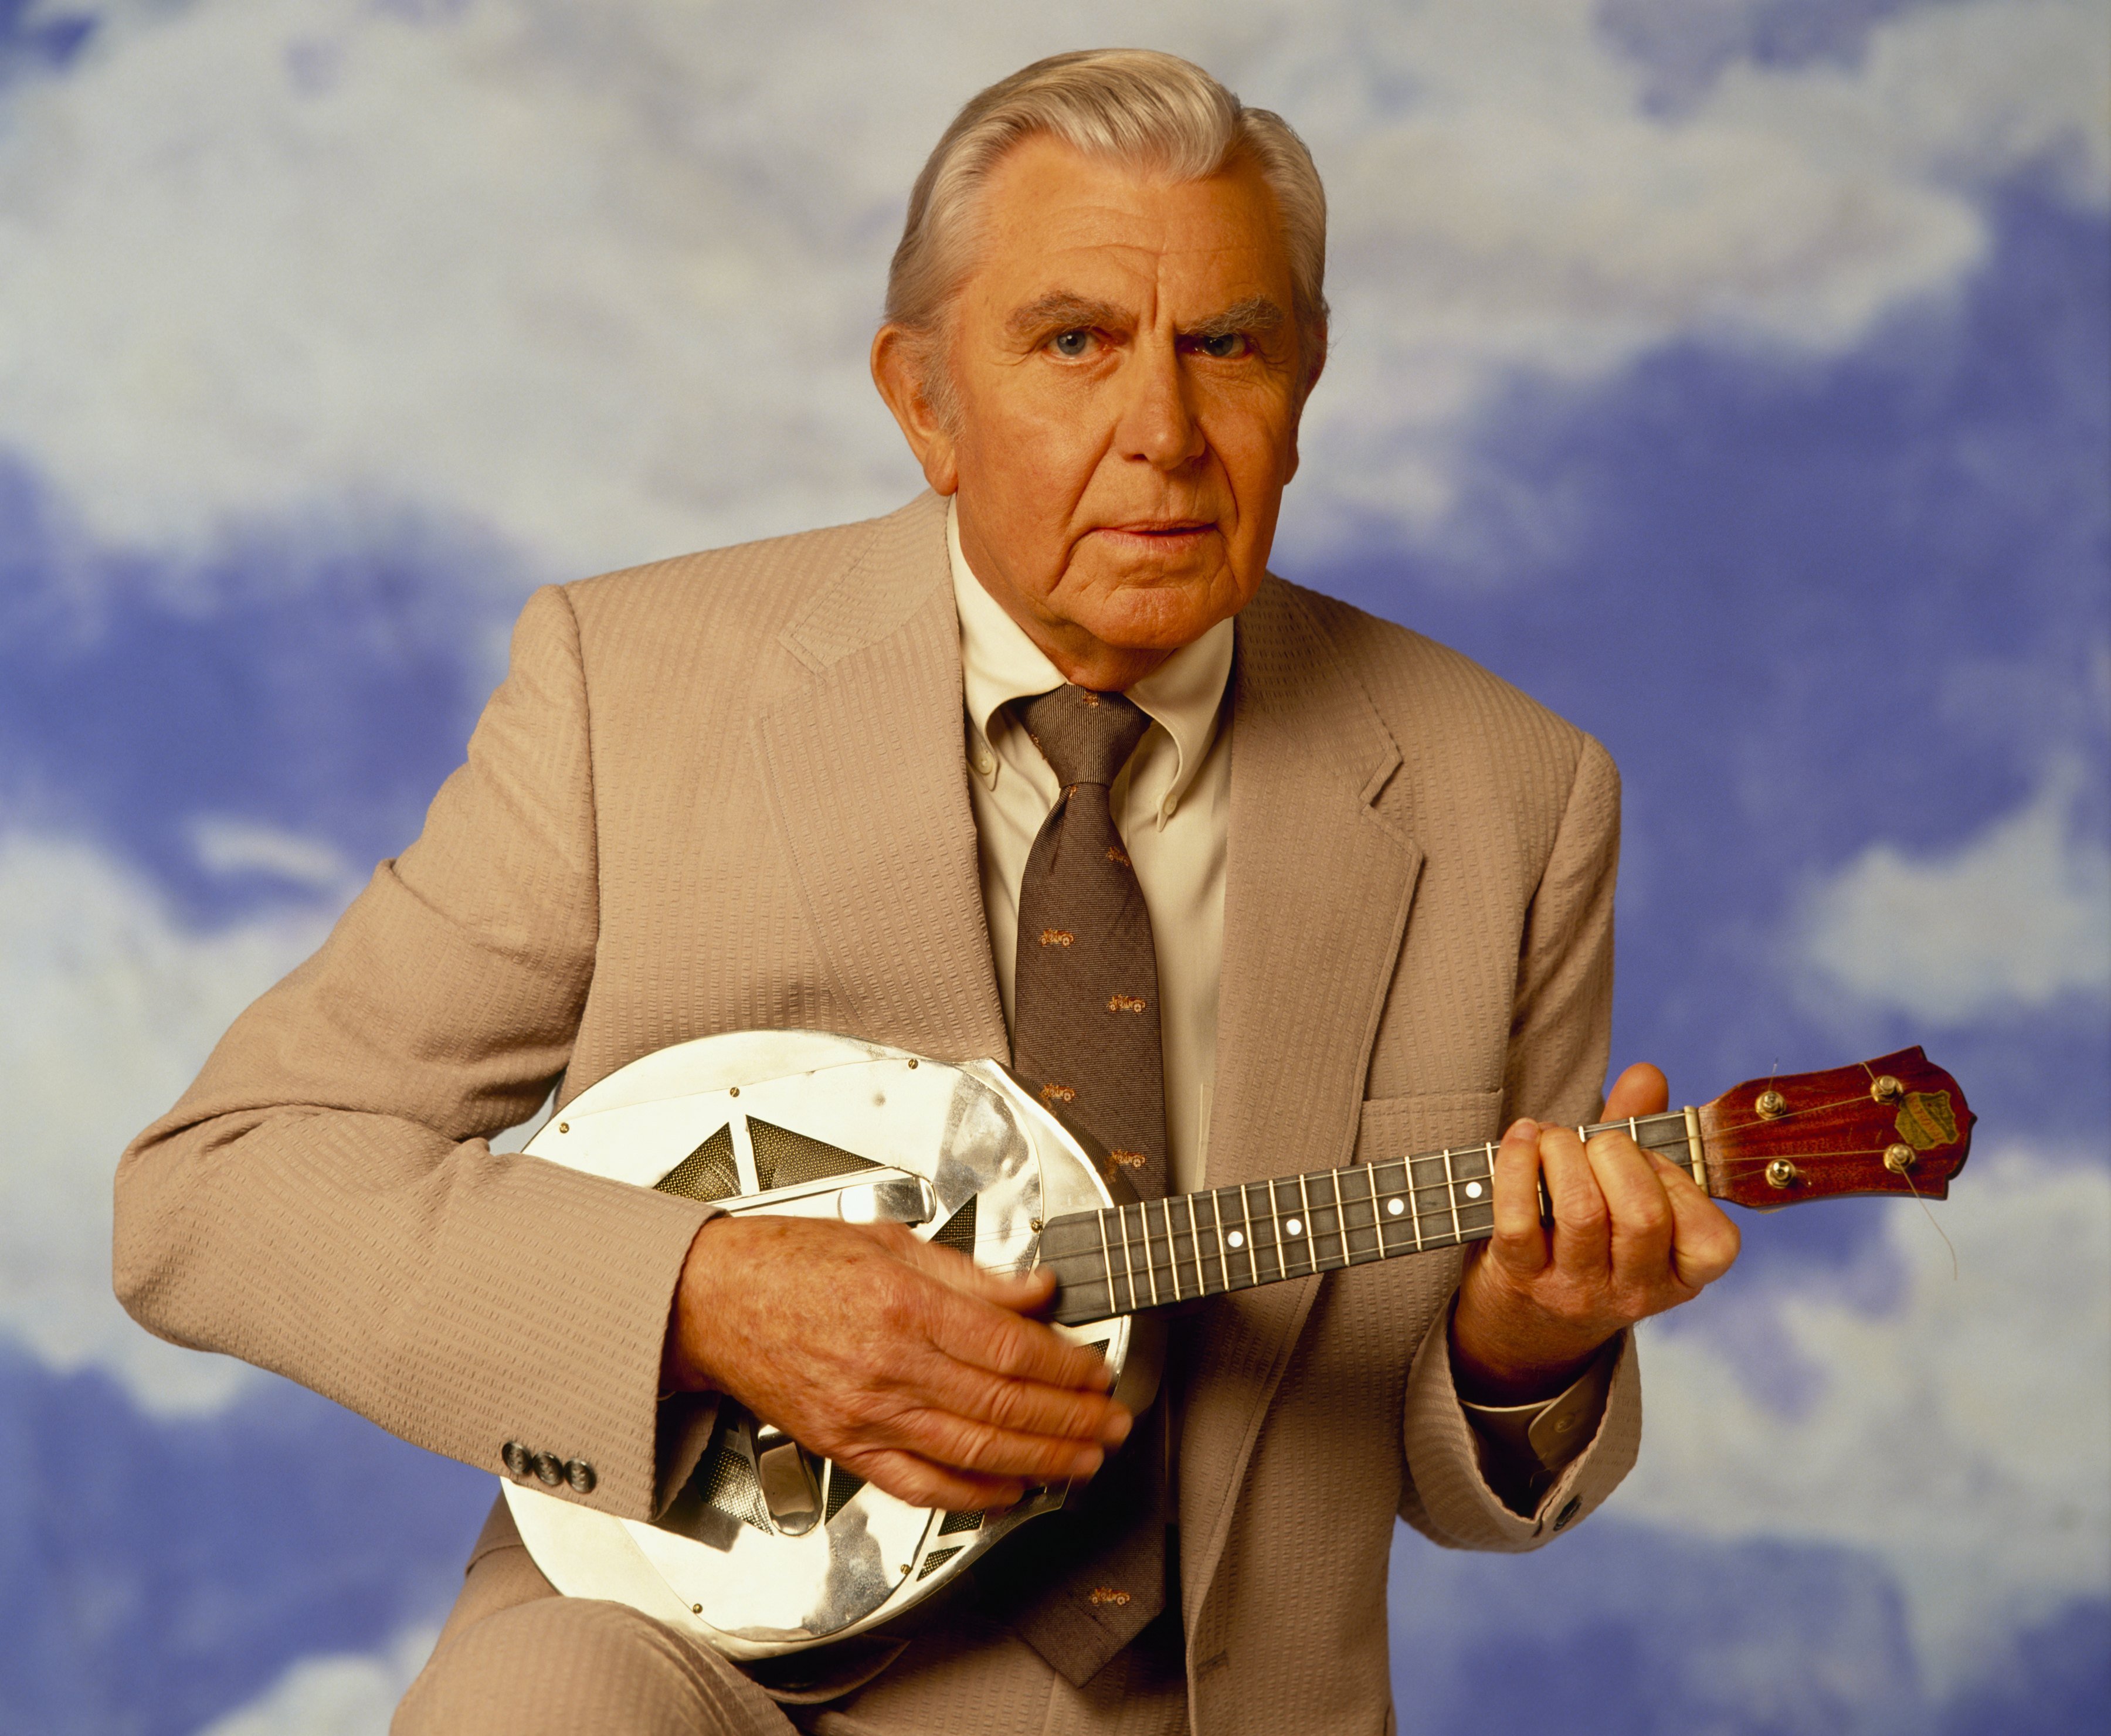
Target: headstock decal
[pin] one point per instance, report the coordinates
(1926, 1120)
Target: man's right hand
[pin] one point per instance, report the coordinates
(905, 1363)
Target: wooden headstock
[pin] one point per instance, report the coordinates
(1896, 1125)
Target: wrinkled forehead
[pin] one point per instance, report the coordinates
(1055, 221)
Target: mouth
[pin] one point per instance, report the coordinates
(1163, 530)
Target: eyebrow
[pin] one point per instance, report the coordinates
(1256, 314)
(1063, 310)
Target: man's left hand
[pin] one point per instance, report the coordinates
(1631, 1236)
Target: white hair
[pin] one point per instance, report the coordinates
(1131, 105)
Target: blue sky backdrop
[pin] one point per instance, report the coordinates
(1733, 375)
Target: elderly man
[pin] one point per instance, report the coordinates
(1362, 890)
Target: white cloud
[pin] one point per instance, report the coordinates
(341, 1694)
(225, 844)
(108, 1006)
(606, 285)
(2014, 917)
(1963, 1436)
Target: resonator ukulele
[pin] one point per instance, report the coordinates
(770, 1549)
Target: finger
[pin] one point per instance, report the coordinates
(961, 1443)
(1704, 1241)
(1022, 1293)
(1027, 1407)
(992, 1338)
(1519, 1244)
(1641, 1090)
(921, 1483)
(1638, 1211)
(1581, 1247)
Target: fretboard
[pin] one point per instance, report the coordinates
(1159, 1252)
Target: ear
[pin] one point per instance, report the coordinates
(898, 366)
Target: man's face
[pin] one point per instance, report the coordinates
(1129, 379)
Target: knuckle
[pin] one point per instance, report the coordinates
(1650, 1215)
(1006, 1405)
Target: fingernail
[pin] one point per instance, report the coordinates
(1115, 1430)
(1524, 1128)
(1088, 1462)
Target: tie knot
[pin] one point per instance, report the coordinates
(1086, 737)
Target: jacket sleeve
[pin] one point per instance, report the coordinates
(324, 1201)
(1560, 1039)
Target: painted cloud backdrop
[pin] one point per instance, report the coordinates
(1731, 374)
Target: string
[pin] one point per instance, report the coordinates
(1907, 1175)
(1776, 1121)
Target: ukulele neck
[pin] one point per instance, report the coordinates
(1155, 1252)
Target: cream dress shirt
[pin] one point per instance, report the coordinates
(1172, 807)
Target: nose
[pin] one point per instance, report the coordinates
(1157, 425)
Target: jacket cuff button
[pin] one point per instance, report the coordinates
(580, 1474)
(1567, 1511)
(518, 1460)
(549, 1468)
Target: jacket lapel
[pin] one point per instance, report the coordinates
(867, 775)
(1316, 898)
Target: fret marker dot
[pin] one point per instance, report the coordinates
(1472, 1190)
(1238, 1238)
(1294, 1227)
(1395, 1207)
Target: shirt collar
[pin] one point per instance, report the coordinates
(1000, 663)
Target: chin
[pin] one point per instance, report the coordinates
(1161, 624)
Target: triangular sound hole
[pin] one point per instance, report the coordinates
(958, 1231)
(783, 1159)
(707, 1173)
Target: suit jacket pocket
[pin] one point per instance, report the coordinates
(1425, 1121)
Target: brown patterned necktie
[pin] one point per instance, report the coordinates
(1079, 1586)
(1085, 995)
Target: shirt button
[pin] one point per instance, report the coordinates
(549, 1468)
(518, 1460)
(580, 1474)
(1567, 1511)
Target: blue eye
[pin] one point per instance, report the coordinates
(1224, 346)
(1072, 344)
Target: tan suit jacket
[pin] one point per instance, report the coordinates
(729, 790)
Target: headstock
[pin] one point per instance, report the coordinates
(1896, 1125)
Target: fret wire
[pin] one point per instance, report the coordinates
(1150, 1265)
(1275, 1223)
(1172, 1253)
(1378, 1217)
(1413, 1205)
(1246, 1235)
(1340, 1217)
(1107, 1259)
(1451, 1196)
(1217, 1228)
(1195, 1240)
(1246, 1219)
(1311, 1237)
(1128, 1260)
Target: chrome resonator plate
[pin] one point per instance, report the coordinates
(770, 1549)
